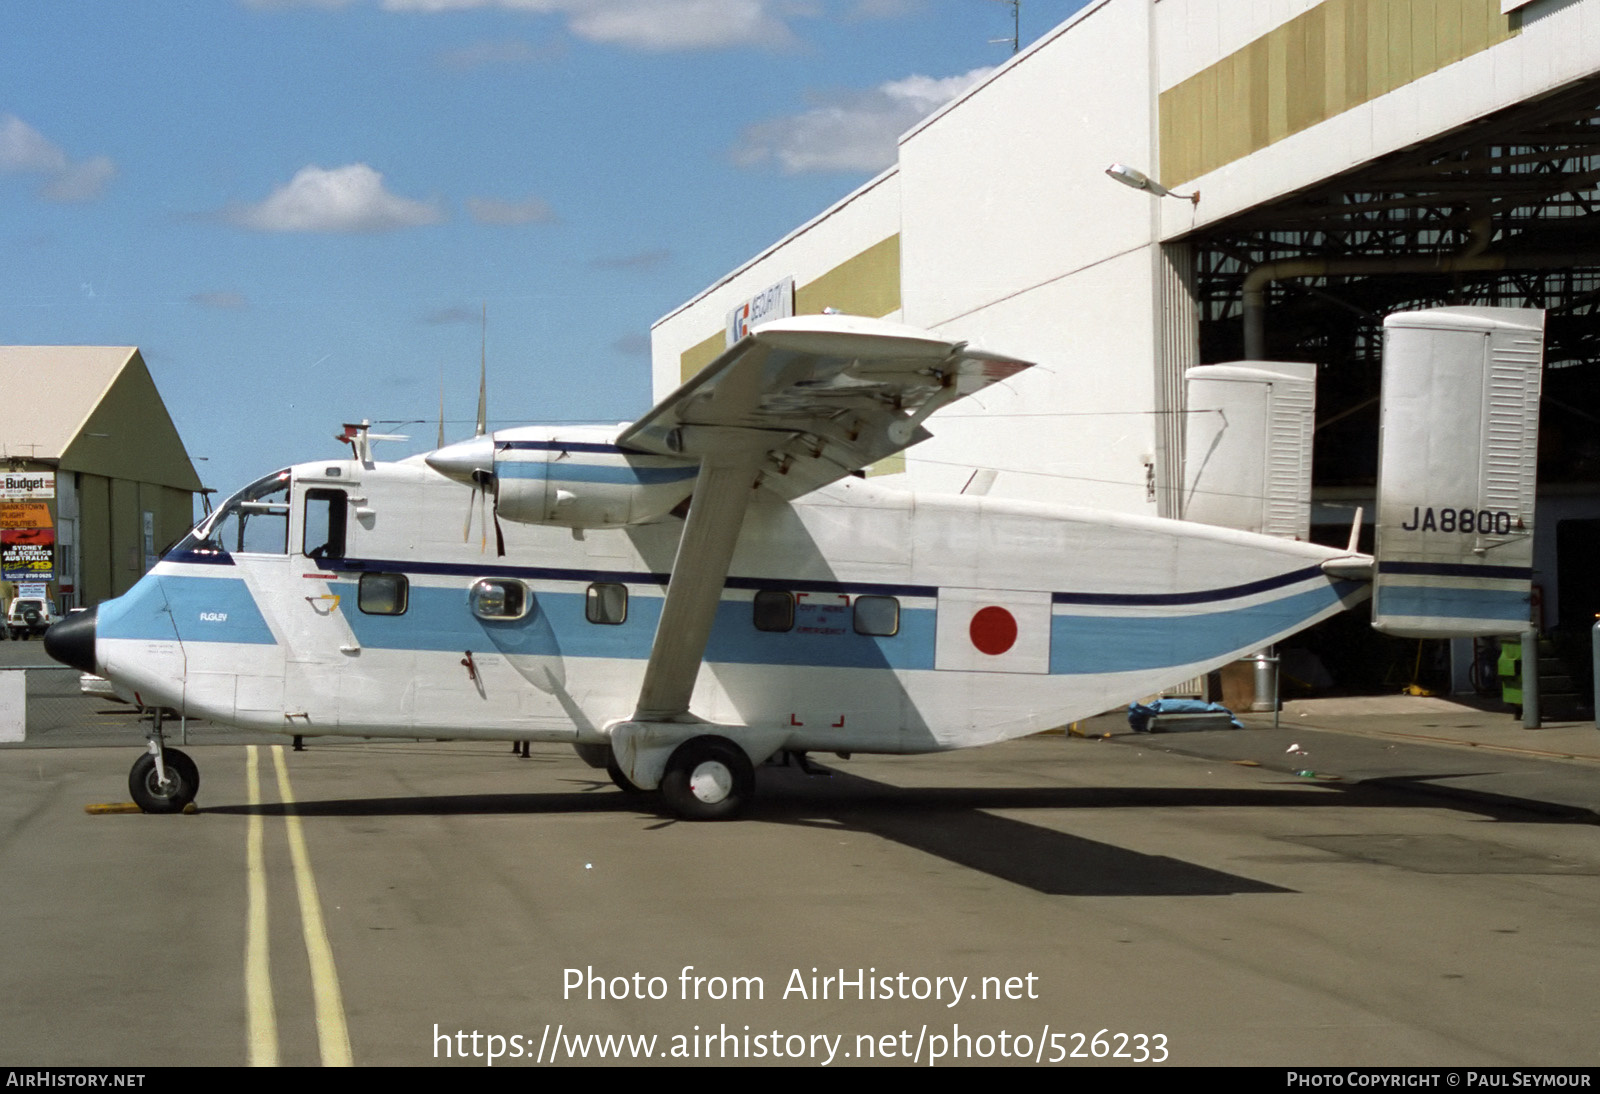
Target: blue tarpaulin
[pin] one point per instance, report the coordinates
(1140, 715)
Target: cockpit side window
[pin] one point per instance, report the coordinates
(254, 521)
(323, 535)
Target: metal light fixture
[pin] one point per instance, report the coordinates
(1129, 176)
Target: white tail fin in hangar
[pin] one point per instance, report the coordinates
(1248, 455)
(1456, 471)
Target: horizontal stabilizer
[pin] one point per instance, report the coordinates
(1457, 463)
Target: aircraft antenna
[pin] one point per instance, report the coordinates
(1016, 25)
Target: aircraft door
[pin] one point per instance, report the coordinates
(993, 630)
(317, 636)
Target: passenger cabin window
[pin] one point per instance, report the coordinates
(877, 615)
(254, 521)
(383, 594)
(774, 610)
(606, 603)
(323, 528)
(496, 598)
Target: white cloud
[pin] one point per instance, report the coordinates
(854, 131)
(26, 151)
(344, 199)
(81, 181)
(530, 210)
(651, 24)
(23, 149)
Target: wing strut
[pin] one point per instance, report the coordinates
(716, 514)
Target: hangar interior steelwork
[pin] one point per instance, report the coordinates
(1502, 212)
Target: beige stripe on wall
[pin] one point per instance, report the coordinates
(1338, 55)
(866, 284)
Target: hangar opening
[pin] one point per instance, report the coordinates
(1502, 212)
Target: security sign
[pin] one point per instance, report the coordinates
(981, 630)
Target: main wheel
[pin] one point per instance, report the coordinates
(619, 777)
(183, 782)
(708, 778)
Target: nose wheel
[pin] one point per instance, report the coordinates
(154, 794)
(163, 780)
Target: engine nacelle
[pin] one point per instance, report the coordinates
(579, 484)
(572, 477)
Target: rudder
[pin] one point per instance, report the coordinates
(1456, 471)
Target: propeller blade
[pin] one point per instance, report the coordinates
(483, 377)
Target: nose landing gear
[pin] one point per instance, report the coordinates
(163, 780)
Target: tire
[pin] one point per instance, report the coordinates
(708, 778)
(622, 781)
(151, 796)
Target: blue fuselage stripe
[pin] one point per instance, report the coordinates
(1433, 602)
(161, 607)
(621, 475)
(221, 609)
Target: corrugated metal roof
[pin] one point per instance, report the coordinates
(51, 391)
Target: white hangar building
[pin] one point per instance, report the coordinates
(1352, 158)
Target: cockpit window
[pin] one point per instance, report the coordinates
(253, 521)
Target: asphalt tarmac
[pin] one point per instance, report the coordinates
(1365, 885)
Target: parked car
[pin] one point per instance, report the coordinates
(29, 616)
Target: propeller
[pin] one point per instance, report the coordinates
(471, 463)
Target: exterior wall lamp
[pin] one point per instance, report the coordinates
(1128, 176)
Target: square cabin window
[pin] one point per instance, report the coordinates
(877, 615)
(606, 603)
(774, 610)
(383, 594)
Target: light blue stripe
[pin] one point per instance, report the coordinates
(1432, 602)
(1088, 644)
(194, 609)
(624, 475)
(439, 619)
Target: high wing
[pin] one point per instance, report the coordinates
(794, 405)
(817, 397)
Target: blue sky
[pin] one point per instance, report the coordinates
(297, 208)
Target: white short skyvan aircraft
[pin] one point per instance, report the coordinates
(725, 529)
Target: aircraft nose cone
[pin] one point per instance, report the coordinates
(465, 461)
(71, 641)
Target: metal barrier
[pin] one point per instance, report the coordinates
(44, 706)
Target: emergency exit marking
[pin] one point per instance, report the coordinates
(994, 631)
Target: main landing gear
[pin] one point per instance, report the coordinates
(705, 778)
(163, 780)
(708, 778)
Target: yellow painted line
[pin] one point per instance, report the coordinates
(332, 1034)
(262, 1018)
(100, 809)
